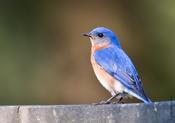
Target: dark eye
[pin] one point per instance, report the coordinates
(100, 35)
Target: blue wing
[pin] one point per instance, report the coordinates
(115, 61)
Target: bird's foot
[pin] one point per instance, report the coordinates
(102, 103)
(120, 101)
(116, 102)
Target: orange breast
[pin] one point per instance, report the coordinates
(105, 79)
(108, 82)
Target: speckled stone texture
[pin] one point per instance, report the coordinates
(159, 112)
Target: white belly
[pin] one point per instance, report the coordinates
(104, 82)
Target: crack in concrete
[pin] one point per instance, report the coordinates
(18, 108)
(18, 113)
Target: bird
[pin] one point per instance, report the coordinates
(113, 67)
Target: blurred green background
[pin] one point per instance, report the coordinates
(45, 60)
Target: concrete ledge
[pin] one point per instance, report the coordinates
(159, 112)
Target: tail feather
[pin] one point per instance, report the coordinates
(144, 98)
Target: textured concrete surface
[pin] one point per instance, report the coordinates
(159, 112)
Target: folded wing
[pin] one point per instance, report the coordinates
(115, 61)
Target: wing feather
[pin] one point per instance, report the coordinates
(115, 61)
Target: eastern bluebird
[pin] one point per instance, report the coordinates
(113, 67)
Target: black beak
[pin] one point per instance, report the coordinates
(86, 34)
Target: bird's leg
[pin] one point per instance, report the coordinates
(120, 100)
(107, 101)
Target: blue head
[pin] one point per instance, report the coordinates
(101, 36)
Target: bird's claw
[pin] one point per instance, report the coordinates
(116, 102)
(102, 103)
